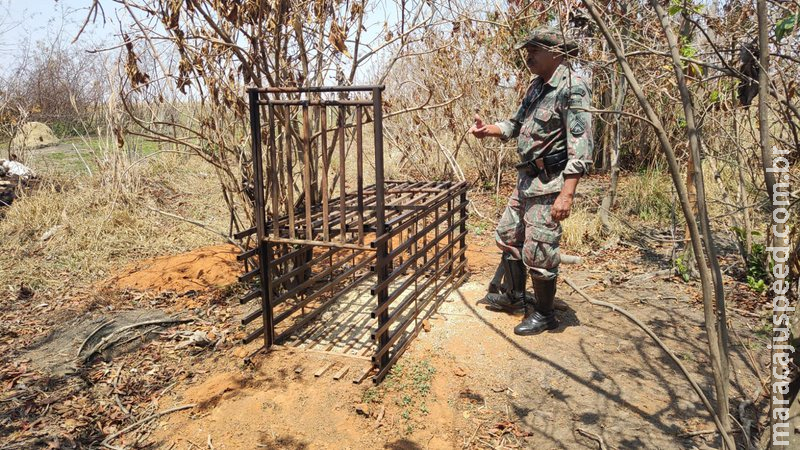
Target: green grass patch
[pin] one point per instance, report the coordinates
(408, 386)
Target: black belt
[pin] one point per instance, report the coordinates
(552, 165)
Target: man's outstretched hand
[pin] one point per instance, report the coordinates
(481, 130)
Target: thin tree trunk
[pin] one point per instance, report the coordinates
(613, 150)
(780, 236)
(698, 182)
(721, 417)
(742, 195)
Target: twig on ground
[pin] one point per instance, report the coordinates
(747, 424)
(116, 393)
(91, 335)
(474, 433)
(107, 440)
(199, 224)
(594, 436)
(475, 210)
(647, 276)
(660, 343)
(697, 433)
(744, 432)
(167, 389)
(143, 434)
(745, 313)
(380, 417)
(763, 384)
(110, 338)
(487, 444)
(140, 336)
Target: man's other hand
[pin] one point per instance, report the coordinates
(479, 129)
(561, 207)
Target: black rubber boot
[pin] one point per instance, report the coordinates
(541, 315)
(498, 283)
(512, 300)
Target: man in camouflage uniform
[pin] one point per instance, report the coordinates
(554, 142)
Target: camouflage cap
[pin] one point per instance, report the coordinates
(548, 37)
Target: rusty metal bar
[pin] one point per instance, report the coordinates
(396, 293)
(384, 334)
(247, 255)
(360, 173)
(399, 270)
(404, 221)
(273, 174)
(309, 317)
(249, 276)
(258, 181)
(382, 264)
(325, 167)
(255, 293)
(292, 89)
(401, 346)
(407, 243)
(342, 168)
(288, 274)
(321, 243)
(307, 172)
(283, 315)
(463, 213)
(245, 233)
(287, 140)
(304, 102)
(307, 283)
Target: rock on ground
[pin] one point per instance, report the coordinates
(33, 135)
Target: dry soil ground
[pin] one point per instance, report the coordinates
(468, 382)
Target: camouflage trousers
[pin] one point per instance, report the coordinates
(528, 232)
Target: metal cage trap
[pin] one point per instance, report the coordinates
(369, 258)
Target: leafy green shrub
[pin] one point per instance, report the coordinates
(757, 268)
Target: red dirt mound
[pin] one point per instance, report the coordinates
(200, 269)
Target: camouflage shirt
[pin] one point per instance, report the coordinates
(539, 126)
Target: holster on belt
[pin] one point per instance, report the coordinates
(551, 165)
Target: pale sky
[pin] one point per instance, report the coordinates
(25, 22)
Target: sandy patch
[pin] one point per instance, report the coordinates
(200, 269)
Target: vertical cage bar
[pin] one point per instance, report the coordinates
(360, 172)
(325, 166)
(273, 172)
(380, 225)
(307, 171)
(258, 181)
(342, 187)
(287, 139)
(463, 231)
(451, 233)
(267, 300)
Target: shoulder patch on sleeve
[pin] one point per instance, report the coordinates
(578, 91)
(577, 124)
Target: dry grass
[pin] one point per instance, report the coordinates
(75, 229)
(583, 228)
(646, 196)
